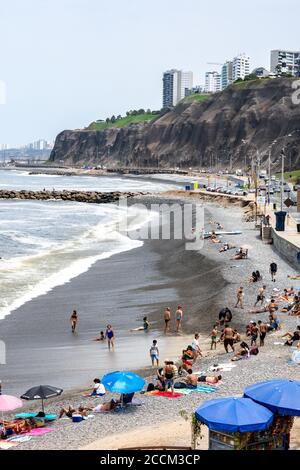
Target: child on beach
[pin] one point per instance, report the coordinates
(213, 335)
(154, 353)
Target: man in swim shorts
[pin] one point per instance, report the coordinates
(167, 318)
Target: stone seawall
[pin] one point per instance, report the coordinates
(93, 197)
(287, 250)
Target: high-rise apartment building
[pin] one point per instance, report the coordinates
(212, 82)
(285, 62)
(240, 67)
(175, 86)
(227, 74)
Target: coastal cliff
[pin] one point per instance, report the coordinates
(225, 130)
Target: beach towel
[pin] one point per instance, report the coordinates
(49, 417)
(200, 389)
(222, 367)
(39, 431)
(19, 439)
(165, 394)
(5, 445)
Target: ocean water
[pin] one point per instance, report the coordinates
(44, 244)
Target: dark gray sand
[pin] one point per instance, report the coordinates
(119, 290)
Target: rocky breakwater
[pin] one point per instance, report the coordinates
(93, 197)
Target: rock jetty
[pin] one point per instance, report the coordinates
(93, 197)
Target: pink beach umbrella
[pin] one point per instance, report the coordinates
(9, 403)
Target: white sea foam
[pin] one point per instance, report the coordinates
(57, 262)
(64, 276)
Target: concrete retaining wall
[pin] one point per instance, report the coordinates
(286, 249)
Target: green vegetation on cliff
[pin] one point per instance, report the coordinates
(122, 121)
(199, 97)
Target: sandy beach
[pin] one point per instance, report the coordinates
(158, 274)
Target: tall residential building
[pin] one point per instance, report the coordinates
(212, 82)
(175, 86)
(240, 67)
(285, 62)
(226, 74)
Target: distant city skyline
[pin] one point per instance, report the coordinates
(66, 63)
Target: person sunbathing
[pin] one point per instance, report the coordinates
(253, 277)
(244, 351)
(209, 379)
(191, 379)
(239, 255)
(69, 412)
(214, 237)
(106, 407)
(259, 310)
(283, 297)
(227, 247)
(291, 337)
(18, 426)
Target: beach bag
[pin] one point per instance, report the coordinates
(180, 385)
(254, 351)
(150, 387)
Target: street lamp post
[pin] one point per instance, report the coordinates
(282, 179)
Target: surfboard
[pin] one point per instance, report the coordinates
(234, 232)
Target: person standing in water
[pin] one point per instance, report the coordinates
(167, 318)
(178, 317)
(74, 320)
(109, 334)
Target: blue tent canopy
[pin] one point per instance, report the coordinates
(234, 414)
(281, 396)
(123, 382)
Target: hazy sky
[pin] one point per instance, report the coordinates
(68, 62)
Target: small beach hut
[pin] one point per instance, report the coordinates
(282, 397)
(234, 423)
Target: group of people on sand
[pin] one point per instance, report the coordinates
(168, 318)
(109, 334)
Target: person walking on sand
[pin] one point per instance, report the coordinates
(178, 317)
(213, 335)
(263, 329)
(228, 338)
(167, 318)
(254, 333)
(261, 295)
(109, 334)
(74, 320)
(240, 297)
(273, 271)
(195, 347)
(154, 353)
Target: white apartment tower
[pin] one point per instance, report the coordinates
(285, 62)
(175, 86)
(240, 67)
(212, 82)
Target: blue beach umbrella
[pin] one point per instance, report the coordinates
(234, 414)
(123, 382)
(281, 396)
